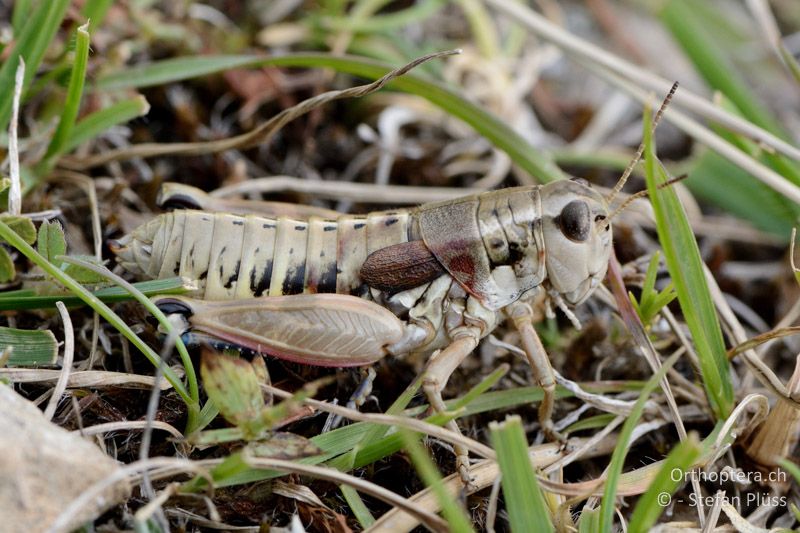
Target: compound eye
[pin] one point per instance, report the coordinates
(575, 221)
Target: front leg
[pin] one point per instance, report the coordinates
(438, 371)
(521, 315)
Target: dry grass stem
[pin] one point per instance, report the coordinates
(129, 425)
(343, 190)
(589, 53)
(260, 135)
(153, 507)
(96, 379)
(66, 363)
(15, 192)
(762, 372)
(428, 519)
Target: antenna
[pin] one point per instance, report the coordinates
(643, 193)
(625, 175)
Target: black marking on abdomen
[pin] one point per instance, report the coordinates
(258, 289)
(327, 281)
(234, 275)
(293, 282)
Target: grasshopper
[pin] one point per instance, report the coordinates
(350, 290)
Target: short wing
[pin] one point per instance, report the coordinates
(314, 329)
(401, 267)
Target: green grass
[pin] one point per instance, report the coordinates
(688, 274)
(455, 515)
(653, 502)
(72, 104)
(710, 53)
(525, 502)
(96, 123)
(614, 471)
(29, 347)
(39, 25)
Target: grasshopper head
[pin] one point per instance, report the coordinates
(577, 236)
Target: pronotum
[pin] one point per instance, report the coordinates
(350, 290)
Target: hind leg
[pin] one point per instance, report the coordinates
(438, 371)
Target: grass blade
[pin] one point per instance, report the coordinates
(724, 184)
(589, 521)
(29, 299)
(96, 123)
(525, 503)
(397, 407)
(456, 516)
(618, 457)
(72, 103)
(357, 505)
(653, 501)
(792, 468)
(22, 10)
(535, 162)
(686, 268)
(174, 69)
(29, 347)
(385, 22)
(36, 35)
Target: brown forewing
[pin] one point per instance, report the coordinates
(400, 267)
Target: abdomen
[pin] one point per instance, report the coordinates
(232, 257)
